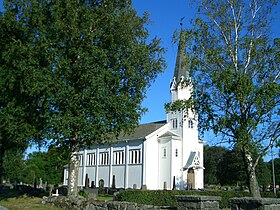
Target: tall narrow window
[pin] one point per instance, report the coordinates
(174, 123)
(103, 158)
(118, 157)
(135, 156)
(91, 159)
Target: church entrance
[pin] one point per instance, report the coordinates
(191, 179)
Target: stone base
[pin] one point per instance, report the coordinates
(198, 202)
(254, 203)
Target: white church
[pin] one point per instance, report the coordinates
(158, 155)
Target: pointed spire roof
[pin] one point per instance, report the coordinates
(181, 67)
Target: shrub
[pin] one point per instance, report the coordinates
(167, 198)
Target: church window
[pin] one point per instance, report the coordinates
(135, 156)
(190, 123)
(118, 157)
(80, 158)
(174, 123)
(176, 152)
(164, 152)
(91, 159)
(103, 158)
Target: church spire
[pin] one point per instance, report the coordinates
(181, 70)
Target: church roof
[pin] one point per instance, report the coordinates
(193, 162)
(181, 67)
(142, 131)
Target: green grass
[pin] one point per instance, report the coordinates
(104, 197)
(15, 200)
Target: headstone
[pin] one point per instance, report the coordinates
(92, 184)
(174, 183)
(86, 181)
(114, 182)
(164, 185)
(144, 187)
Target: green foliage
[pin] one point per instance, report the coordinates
(276, 168)
(167, 198)
(94, 64)
(211, 159)
(231, 170)
(13, 165)
(46, 165)
(83, 193)
(82, 68)
(225, 167)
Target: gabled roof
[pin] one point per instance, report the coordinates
(142, 131)
(193, 162)
(168, 133)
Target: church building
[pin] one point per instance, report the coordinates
(158, 155)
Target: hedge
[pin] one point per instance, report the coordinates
(167, 198)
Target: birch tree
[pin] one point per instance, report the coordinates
(234, 61)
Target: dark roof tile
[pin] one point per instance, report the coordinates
(142, 131)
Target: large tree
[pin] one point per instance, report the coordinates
(235, 74)
(91, 63)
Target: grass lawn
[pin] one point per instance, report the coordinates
(32, 203)
(104, 197)
(14, 200)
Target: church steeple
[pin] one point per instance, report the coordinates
(181, 70)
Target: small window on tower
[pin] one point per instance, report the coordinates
(190, 123)
(176, 152)
(174, 123)
(164, 152)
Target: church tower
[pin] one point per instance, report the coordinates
(184, 124)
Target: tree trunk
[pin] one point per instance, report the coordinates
(252, 178)
(73, 171)
(1, 164)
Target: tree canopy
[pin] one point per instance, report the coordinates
(235, 73)
(89, 64)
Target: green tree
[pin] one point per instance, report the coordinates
(92, 62)
(213, 155)
(13, 164)
(235, 74)
(225, 167)
(19, 115)
(46, 165)
(231, 171)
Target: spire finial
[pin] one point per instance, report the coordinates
(181, 22)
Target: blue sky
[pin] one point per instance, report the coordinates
(165, 17)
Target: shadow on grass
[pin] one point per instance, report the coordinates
(28, 191)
